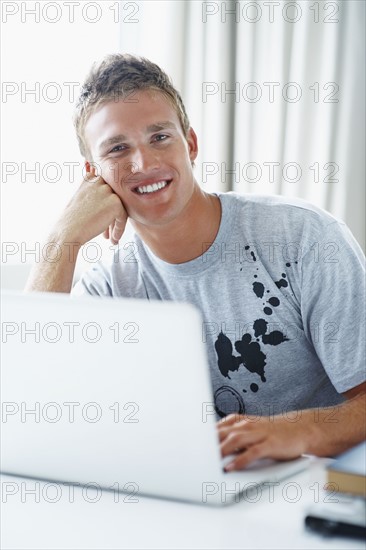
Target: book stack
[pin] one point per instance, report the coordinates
(348, 472)
(346, 515)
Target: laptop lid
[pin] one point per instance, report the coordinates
(99, 391)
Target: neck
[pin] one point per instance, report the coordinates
(189, 235)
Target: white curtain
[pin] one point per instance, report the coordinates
(274, 90)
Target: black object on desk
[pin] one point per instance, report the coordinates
(329, 527)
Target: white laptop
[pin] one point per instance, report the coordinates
(98, 392)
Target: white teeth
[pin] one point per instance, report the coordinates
(153, 187)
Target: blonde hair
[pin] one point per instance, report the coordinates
(118, 76)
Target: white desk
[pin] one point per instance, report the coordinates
(159, 524)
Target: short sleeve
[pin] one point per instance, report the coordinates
(117, 278)
(333, 304)
(95, 282)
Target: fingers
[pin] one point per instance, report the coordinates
(240, 438)
(118, 229)
(111, 234)
(230, 419)
(263, 438)
(108, 199)
(114, 231)
(255, 452)
(245, 440)
(90, 172)
(228, 424)
(233, 443)
(224, 432)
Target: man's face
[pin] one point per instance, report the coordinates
(139, 142)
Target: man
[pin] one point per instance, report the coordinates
(280, 283)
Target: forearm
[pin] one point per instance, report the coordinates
(321, 432)
(333, 430)
(92, 210)
(56, 270)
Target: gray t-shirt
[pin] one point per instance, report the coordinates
(282, 293)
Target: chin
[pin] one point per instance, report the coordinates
(154, 220)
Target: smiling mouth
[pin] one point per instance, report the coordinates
(152, 188)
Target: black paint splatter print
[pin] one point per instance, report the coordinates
(235, 399)
(273, 338)
(258, 289)
(251, 355)
(282, 282)
(226, 361)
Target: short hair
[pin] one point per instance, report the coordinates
(116, 76)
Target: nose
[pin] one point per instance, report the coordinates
(143, 159)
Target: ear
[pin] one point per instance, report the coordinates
(192, 144)
(91, 166)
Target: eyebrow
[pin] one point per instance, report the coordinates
(151, 128)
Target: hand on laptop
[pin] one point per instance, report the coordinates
(252, 438)
(94, 209)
